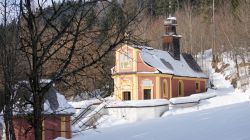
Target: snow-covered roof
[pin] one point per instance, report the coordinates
(165, 63)
(173, 34)
(142, 47)
(184, 100)
(55, 103)
(171, 18)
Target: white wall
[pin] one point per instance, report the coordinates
(134, 113)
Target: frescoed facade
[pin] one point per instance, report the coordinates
(142, 73)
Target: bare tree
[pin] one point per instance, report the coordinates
(68, 37)
(9, 61)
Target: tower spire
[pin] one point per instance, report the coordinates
(170, 40)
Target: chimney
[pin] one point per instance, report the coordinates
(170, 40)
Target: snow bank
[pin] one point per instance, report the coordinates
(202, 125)
(85, 103)
(138, 103)
(109, 120)
(184, 100)
(203, 96)
(227, 67)
(82, 105)
(64, 106)
(138, 110)
(194, 98)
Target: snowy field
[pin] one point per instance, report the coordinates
(224, 117)
(223, 123)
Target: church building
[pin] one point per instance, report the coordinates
(142, 72)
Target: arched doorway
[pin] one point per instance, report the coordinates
(180, 88)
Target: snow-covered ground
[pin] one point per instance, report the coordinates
(81, 105)
(225, 116)
(223, 123)
(227, 67)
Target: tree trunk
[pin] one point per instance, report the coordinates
(38, 122)
(8, 80)
(8, 117)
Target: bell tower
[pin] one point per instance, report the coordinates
(170, 40)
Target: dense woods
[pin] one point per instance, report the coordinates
(195, 23)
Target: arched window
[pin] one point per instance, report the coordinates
(180, 88)
(165, 88)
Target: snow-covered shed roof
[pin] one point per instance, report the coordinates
(54, 103)
(165, 63)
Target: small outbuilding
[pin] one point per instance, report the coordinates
(57, 116)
